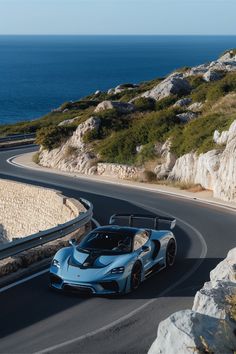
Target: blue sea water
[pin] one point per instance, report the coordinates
(38, 73)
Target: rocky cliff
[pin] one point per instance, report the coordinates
(119, 138)
(214, 170)
(210, 327)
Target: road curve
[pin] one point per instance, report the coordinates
(34, 319)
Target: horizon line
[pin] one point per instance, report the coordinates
(115, 34)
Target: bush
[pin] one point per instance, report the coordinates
(144, 104)
(166, 102)
(70, 151)
(120, 147)
(52, 137)
(197, 135)
(147, 153)
(149, 176)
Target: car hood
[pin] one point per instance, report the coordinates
(86, 268)
(91, 260)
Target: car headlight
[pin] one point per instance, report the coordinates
(56, 263)
(118, 270)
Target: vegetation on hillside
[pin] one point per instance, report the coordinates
(119, 136)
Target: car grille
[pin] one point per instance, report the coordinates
(55, 279)
(83, 290)
(110, 286)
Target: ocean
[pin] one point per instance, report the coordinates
(38, 73)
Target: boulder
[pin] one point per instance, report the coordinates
(187, 116)
(168, 160)
(68, 121)
(212, 75)
(174, 84)
(209, 326)
(195, 107)
(183, 102)
(121, 107)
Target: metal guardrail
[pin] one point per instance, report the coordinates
(12, 248)
(16, 137)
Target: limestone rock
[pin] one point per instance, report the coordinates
(122, 107)
(225, 270)
(214, 170)
(208, 327)
(74, 155)
(163, 169)
(212, 75)
(68, 121)
(183, 102)
(187, 116)
(195, 107)
(174, 84)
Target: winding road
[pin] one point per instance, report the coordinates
(37, 320)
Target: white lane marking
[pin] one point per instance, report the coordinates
(24, 280)
(140, 308)
(156, 190)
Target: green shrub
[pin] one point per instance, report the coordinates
(90, 136)
(166, 102)
(52, 137)
(197, 135)
(147, 153)
(149, 176)
(144, 104)
(120, 147)
(70, 151)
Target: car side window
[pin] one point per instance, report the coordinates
(140, 239)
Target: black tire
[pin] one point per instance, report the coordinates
(170, 253)
(136, 276)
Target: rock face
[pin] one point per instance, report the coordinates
(121, 107)
(168, 160)
(74, 155)
(214, 170)
(208, 327)
(174, 84)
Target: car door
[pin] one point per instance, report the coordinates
(142, 244)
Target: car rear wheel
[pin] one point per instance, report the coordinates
(136, 276)
(170, 253)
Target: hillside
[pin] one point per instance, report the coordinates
(179, 128)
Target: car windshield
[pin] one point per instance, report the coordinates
(107, 242)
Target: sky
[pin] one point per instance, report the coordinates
(206, 17)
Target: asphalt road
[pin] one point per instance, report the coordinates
(35, 319)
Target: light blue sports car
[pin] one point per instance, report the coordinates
(115, 259)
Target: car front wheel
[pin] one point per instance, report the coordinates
(170, 253)
(136, 276)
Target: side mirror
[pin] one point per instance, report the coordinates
(145, 249)
(72, 242)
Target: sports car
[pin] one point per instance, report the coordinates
(115, 259)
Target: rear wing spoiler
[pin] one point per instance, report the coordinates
(132, 217)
